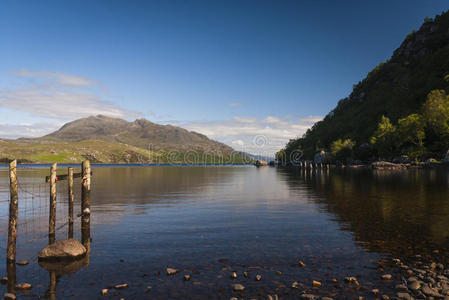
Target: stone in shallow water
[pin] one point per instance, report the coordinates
(104, 292)
(430, 291)
(316, 283)
(386, 277)
(238, 287)
(63, 249)
(258, 277)
(23, 286)
(186, 277)
(171, 271)
(9, 296)
(309, 296)
(233, 275)
(4, 280)
(22, 262)
(352, 280)
(121, 286)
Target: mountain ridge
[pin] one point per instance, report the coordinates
(111, 140)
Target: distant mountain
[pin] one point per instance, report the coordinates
(395, 89)
(113, 140)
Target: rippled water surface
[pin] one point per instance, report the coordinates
(211, 221)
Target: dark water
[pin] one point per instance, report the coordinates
(210, 221)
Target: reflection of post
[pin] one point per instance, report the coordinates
(52, 215)
(85, 207)
(13, 212)
(70, 197)
(52, 287)
(11, 273)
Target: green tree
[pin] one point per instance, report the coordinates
(411, 130)
(384, 138)
(342, 149)
(436, 116)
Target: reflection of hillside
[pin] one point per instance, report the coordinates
(398, 213)
(119, 187)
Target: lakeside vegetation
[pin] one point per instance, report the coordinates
(401, 108)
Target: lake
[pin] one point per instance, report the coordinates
(209, 221)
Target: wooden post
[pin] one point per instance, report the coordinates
(70, 197)
(85, 206)
(52, 215)
(13, 212)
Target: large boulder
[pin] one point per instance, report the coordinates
(61, 250)
(384, 165)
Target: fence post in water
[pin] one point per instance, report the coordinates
(52, 215)
(70, 197)
(13, 213)
(85, 205)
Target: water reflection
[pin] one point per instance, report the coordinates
(401, 213)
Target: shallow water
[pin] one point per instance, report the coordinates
(210, 221)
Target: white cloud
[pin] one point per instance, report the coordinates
(238, 142)
(61, 78)
(10, 131)
(256, 136)
(60, 96)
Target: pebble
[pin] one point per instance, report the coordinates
(104, 292)
(414, 286)
(23, 286)
(316, 283)
(238, 287)
(385, 297)
(9, 296)
(278, 273)
(375, 291)
(22, 262)
(295, 285)
(430, 291)
(234, 275)
(386, 277)
(405, 296)
(401, 287)
(258, 277)
(301, 264)
(308, 296)
(186, 277)
(273, 297)
(246, 274)
(121, 286)
(352, 280)
(171, 271)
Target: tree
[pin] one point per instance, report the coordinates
(411, 130)
(342, 149)
(436, 117)
(384, 138)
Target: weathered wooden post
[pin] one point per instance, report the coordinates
(70, 197)
(52, 215)
(85, 206)
(13, 213)
(12, 279)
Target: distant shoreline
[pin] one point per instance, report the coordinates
(119, 165)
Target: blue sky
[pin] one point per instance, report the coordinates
(234, 70)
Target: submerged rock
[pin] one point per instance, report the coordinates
(64, 249)
(238, 287)
(171, 271)
(9, 296)
(23, 286)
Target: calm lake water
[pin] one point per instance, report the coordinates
(211, 221)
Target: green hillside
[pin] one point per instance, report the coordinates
(103, 139)
(394, 89)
